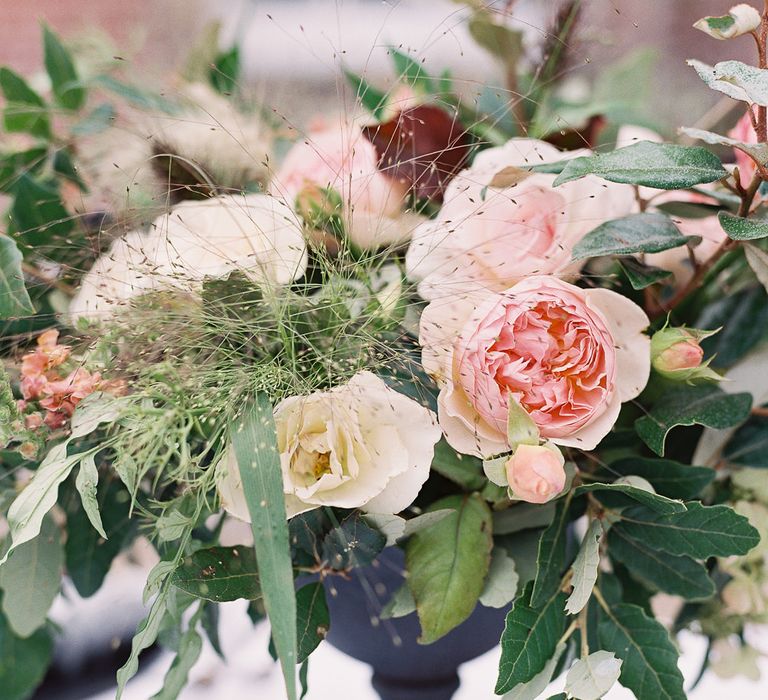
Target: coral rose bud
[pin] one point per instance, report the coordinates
(536, 473)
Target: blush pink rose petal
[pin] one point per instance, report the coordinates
(569, 356)
(490, 237)
(744, 132)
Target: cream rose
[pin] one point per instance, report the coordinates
(359, 445)
(500, 224)
(256, 234)
(568, 356)
(340, 158)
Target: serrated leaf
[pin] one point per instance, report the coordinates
(735, 79)
(501, 583)
(219, 574)
(31, 579)
(447, 565)
(25, 661)
(67, 88)
(661, 165)
(676, 575)
(700, 532)
(672, 479)
(691, 405)
(529, 639)
(758, 261)
(740, 229)
(585, 568)
(532, 689)
(654, 501)
(313, 619)
(255, 445)
(14, 298)
(593, 676)
(638, 233)
(550, 560)
(649, 658)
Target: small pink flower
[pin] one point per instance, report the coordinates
(535, 473)
(686, 354)
(568, 356)
(62, 395)
(744, 132)
(33, 421)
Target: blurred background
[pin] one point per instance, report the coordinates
(291, 52)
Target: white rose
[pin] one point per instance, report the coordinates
(359, 445)
(500, 223)
(256, 234)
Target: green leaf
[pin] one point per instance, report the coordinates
(225, 71)
(532, 689)
(255, 445)
(700, 532)
(369, 97)
(649, 658)
(400, 604)
(501, 584)
(522, 516)
(25, 110)
(31, 579)
(677, 575)
(67, 89)
(585, 569)
(640, 275)
(97, 120)
(313, 618)
(521, 430)
(661, 165)
(660, 504)
(592, 676)
(87, 482)
(24, 661)
(741, 229)
(411, 72)
(464, 470)
(735, 79)
(550, 560)
(749, 445)
(757, 151)
(691, 405)
(190, 646)
(529, 639)
(37, 214)
(672, 479)
(14, 298)
(758, 261)
(352, 544)
(638, 233)
(138, 97)
(63, 165)
(447, 565)
(219, 574)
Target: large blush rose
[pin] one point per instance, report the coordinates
(256, 234)
(500, 223)
(359, 445)
(340, 158)
(568, 356)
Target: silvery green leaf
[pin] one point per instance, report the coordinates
(86, 483)
(637, 482)
(533, 689)
(391, 526)
(400, 604)
(735, 79)
(495, 470)
(521, 430)
(501, 583)
(592, 677)
(585, 569)
(739, 228)
(93, 410)
(758, 151)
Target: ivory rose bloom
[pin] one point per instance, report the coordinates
(500, 224)
(256, 234)
(359, 445)
(568, 356)
(536, 473)
(340, 158)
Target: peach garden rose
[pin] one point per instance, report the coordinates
(568, 356)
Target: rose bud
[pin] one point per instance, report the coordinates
(677, 354)
(536, 473)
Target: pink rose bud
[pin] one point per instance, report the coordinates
(686, 354)
(536, 473)
(677, 354)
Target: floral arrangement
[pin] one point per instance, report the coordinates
(526, 348)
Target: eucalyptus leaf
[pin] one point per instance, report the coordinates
(585, 568)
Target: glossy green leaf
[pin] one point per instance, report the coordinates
(25, 111)
(638, 233)
(529, 639)
(14, 298)
(313, 618)
(447, 565)
(649, 658)
(219, 574)
(30, 580)
(585, 568)
(702, 404)
(676, 575)
(700, 532)
(24, 661)
(532, 689)
(661, 165)
(550, 560)
(67, 88)
(255, 445)
(654, 501)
